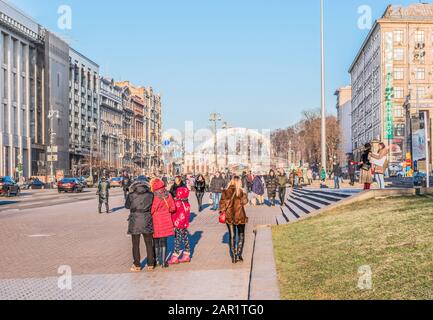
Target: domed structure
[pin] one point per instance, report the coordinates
(238, 149)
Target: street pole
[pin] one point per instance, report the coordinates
(323, 102)
(215, 117)
(427, 149)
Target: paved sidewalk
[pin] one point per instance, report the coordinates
(35, 243)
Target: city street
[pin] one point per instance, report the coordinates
(44, 231)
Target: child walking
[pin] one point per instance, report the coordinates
(181, 225)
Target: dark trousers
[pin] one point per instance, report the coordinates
(200, 199)
(352, 179)
(148, 240)
(282, 194)
(161, 251)
(107, 208)
(236, 239)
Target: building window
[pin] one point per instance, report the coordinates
(398, 54)
(398, 112)
(420, 92)
(398, 36)
(398, 93)
(420, 74)
(399, 130)
(398, 74)
(419, 37)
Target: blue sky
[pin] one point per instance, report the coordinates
(255, 61)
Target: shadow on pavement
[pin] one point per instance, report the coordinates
(5, 203)
(114, 210)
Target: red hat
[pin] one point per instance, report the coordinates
(157, 184)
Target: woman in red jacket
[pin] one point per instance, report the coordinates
(162, 209)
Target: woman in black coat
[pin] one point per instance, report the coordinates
(200, 189)
(139, 202)
(272, 186)
(178, 183)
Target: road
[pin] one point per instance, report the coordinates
(43, 231)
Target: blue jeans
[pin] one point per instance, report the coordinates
(216, 198)
(380, 179)
(337, 182)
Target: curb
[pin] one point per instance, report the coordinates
(263, 276)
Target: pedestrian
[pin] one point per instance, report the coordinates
(139, 201)
(217, 186)
(181, 224)
(200, 189)
(352, 172)
(283, 181)
(207, 179)
(244, 181)
(103, 194)
(365, 166)
(233, 203)
(226, 180)
(250, 180)
(323, 175)
(126, 184)
(292, 178)
(310, 176)
(380, 164)
(162, 208)
(337, 172)
(258, 189)
(178, 183)
(272, 186)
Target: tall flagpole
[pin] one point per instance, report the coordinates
(323, 101)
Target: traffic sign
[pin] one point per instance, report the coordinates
(166, 143)
(52, 158)
(52, 149)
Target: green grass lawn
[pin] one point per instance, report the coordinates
(319, 258)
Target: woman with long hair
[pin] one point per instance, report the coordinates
(365, 166)
(233, 203)
(380, 163)
(200, 189)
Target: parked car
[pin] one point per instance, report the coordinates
(419, 179)
(34, 184)
(116, 182)
(9, 187)
(69, 185)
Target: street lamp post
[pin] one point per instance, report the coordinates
(91, 125)
(51, 115)
(323, 102)
(226, 127)
(215, 117)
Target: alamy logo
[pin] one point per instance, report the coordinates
(365, 21)
(365, 281)
(65, 17)
(65, 280)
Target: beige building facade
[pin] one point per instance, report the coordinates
(392, 74)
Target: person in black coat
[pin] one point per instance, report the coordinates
(200, 189)
(178, 183)
(139, 201)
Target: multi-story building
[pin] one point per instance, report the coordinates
(344, 113)
(393, 69)
(111, 124)
(147, 151)
(20, 43)
(127, 130)
(84, 112)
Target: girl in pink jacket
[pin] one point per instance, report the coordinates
(181, 224)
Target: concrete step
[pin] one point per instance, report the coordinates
(281, 220)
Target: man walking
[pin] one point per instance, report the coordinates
(217, 186)
(103, 194)
(283, 181)
(337, 175)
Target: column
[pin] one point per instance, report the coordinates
(2, 162)
(9, 104)
(28, 170)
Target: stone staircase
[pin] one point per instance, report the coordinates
(303, 202)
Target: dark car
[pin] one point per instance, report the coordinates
(35, 184)
(69, 185)
(83, 181)
(9, 187)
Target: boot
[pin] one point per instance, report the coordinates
(240, 249)
(174, 259)
(164, 263)
(157, 253)
(186, 258)
(100, 208)
(107, 207)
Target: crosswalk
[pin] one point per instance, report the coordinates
(303, 202)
